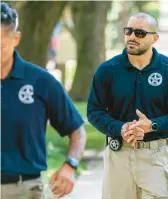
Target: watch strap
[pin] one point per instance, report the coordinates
(72, 162)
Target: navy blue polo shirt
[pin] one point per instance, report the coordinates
(30, 96)
(119, 88)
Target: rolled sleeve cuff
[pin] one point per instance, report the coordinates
(160, 124)
(72, 128)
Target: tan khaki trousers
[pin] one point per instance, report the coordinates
(135, 174)
(31, 189)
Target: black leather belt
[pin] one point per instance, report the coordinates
(15, 178)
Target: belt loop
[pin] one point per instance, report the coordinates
(20, 180)
(136, 146)
(142, 145)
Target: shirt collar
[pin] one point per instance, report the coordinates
(18, 68)
(152, 64)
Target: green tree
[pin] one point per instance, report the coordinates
(127, 8)
(37, 20)
(90, 18)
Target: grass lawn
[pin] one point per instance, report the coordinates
(57, 146)
(81, 106)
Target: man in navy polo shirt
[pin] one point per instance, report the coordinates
(29, 97)
(128, 102)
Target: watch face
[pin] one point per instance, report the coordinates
(73, 162)
(154, 127)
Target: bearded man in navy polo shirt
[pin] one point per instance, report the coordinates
(30, 97)
(128, 102)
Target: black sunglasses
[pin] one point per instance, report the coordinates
(140, 33)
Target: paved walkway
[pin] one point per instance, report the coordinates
(89, 184)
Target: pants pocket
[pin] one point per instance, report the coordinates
(36, 188)
(161, 157)
(35, 185)
(36, 191)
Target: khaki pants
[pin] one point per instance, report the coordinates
(30, 189)
(136, 174)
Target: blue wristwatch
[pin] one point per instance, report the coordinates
(72, 162)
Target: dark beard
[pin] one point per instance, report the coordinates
(137, 52)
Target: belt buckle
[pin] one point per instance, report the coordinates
(139, 145)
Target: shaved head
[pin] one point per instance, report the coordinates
(137, 45)
(147, 17)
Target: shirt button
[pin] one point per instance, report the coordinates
(140, 73)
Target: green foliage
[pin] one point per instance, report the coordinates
(152, 8)
(95, 139)
(57, 146)
(81, 106)
(118, 18)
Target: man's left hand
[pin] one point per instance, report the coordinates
(62, 181)
(143, 123)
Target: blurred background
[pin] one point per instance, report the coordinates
(70, 39)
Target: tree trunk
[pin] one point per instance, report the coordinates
(37, 20)
(90, 19)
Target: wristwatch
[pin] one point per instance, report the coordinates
(154, 126)
(72, 162)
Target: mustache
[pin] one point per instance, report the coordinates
(132, 41)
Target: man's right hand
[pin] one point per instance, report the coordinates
(62, 181)
(133, 135)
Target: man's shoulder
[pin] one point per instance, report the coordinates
(108, 68)
(38, 72)
(111, 63)
(40, 76)
(164, 59)
(34, 68)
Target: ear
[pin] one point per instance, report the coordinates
(155, 38)
(17, 38)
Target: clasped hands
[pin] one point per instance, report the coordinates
(135, 130)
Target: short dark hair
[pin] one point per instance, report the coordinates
(9, 16)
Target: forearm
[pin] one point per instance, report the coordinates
(77, 141)
(64, 179)
(104, 122)
(98, 105)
